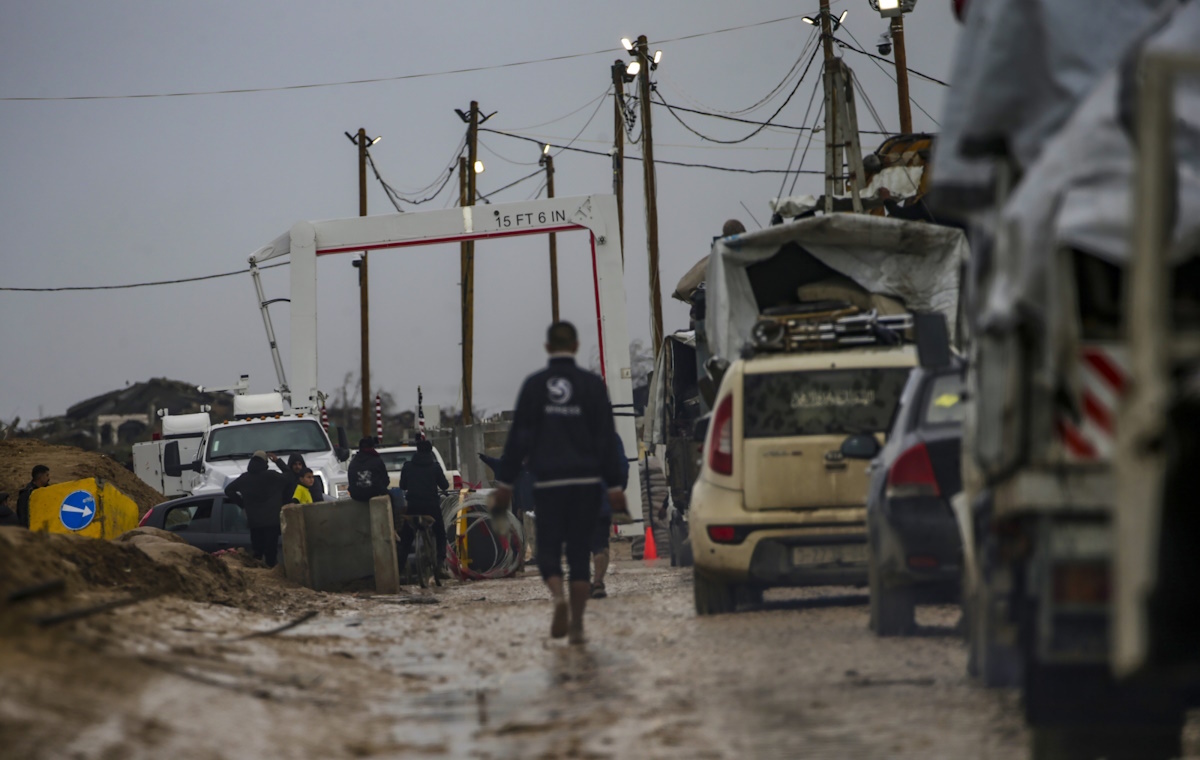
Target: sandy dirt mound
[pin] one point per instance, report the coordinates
(18, 457)
(144, 565)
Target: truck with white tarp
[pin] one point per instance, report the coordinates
(1038, 154)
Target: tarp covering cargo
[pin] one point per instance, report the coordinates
(1021, 68)
(1077, 197)
(913, 262)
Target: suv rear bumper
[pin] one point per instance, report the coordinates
(779, 547)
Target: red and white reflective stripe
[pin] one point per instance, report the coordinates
(1103, 377)
(325, 419)
(378, 419)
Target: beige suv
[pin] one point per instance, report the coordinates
(777, 503)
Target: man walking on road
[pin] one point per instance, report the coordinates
(563, 429)
(260, 491)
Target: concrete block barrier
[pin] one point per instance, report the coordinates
(90, 507)
(331, 543)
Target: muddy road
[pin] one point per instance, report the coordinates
(468, 671)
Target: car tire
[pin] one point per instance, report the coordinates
(712, 597)
(892, 610)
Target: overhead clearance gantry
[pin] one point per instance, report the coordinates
(595, 214)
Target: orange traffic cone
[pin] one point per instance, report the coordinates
(650, 552)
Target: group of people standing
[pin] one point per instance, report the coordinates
(262, 492)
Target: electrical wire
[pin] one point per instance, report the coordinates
(486, 198)
(800, 134)
(820, 110)
(813, 36)
(729, 169)
(585, 126)
(139, 284)
(866, 98)
(374, 80)
(760, 128)
(451, 164)
(387, 189)
(869, 54)
(568, 115)
(504, 158)
(887, 73)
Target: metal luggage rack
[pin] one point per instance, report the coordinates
(823, 331)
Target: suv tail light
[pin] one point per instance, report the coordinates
(720, 445)
(722, 534)
(912, 475)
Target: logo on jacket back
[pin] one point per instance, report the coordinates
(559, 389)
(559, 392)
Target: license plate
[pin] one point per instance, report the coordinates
(805, 556)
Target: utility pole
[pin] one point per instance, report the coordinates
(651, 191)
(363, 290)
(467, 256)
(548, 162)
(833, 153)
(618, 79)
(901, 74)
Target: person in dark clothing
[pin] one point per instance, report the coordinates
(295, 467)
(260, 492)
(421, 479)
(522, 500)
(604, 524)
(41, 479)
(7, 515)
(367, 473)
(563, 429)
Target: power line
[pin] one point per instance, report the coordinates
(887, 73)
(139, 284)
(774, 125)
(567, 115)
(800, 134)
(486, 198)
(869, 54)
(586, 124)
(402, 77)
(656, 161)
(761, 127)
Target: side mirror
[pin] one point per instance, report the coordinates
(171, 465)
(700, 428)
(933, 340)
(860, 446)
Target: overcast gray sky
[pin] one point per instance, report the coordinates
(100, 192)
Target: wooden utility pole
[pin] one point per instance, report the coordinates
(618, 79)
(364, 291)
(468, 266)
(548, 162)
(901, 74)
(651, 190)
(833, 153)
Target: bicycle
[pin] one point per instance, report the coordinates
(424, 549)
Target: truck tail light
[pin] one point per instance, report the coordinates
(720, 445)
(1081, 582)
(722, 534)
(912, 475)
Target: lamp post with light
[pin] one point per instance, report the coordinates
(895, 10)
(641, 66)
(467, 195)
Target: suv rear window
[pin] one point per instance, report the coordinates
(831, 402)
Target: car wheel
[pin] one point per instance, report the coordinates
(892, 610)
(712, 597)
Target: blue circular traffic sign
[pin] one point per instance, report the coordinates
(77, 510)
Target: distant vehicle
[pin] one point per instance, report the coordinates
(777, 503)
(209, 522)
(394, 458)
(194, 456)
(913, 541)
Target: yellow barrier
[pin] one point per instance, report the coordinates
(91, 507)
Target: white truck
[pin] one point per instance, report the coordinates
(194, 456)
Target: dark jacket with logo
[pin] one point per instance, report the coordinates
(563, 423)
(422, 478)
(367, 474)
(260, 491)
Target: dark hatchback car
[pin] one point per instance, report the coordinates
(914, 545)
(208, 522)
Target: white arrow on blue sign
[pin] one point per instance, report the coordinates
(77, 510)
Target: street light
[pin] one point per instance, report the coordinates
(478, 166)
(627, 43)
(633, 68)
(837, 22)
(895, 10)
